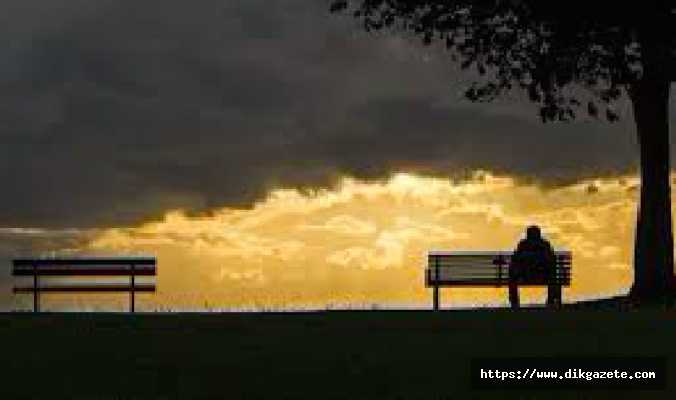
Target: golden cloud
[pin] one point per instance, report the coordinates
(365, 242)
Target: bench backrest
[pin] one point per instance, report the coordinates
(485, 268)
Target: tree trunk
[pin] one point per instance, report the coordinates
(653, 247)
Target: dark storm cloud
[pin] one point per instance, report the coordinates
(18, 242)
(114, 111)
(455, 138)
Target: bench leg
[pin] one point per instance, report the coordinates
(514, 295)
(435, 298)
(554, 296)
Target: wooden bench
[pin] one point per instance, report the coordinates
(483, 268)
(101, 267)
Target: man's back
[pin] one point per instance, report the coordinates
(534, 257)
(534, 260)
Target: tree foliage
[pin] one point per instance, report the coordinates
(542, 48)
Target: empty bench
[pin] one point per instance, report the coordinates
(484, 268)
(104, 268)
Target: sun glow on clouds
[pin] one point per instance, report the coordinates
(364, 242)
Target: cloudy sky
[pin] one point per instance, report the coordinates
(255, 144)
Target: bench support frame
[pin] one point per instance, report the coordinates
(111, 267)
(500, 261)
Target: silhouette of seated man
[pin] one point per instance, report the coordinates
(534, 261)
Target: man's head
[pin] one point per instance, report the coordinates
(533, 232)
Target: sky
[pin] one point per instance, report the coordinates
(272, 153)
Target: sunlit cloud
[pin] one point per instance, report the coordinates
(365, 241)
(343, 224)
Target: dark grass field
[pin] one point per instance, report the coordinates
(325, 355)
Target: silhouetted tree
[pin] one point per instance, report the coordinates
(568, 56)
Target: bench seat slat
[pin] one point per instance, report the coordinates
(505, 275)
(85, 271)
(480, 283)
(481, 268)
(494, 272)
(85, 288)
(85, 261)
(484, 262)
